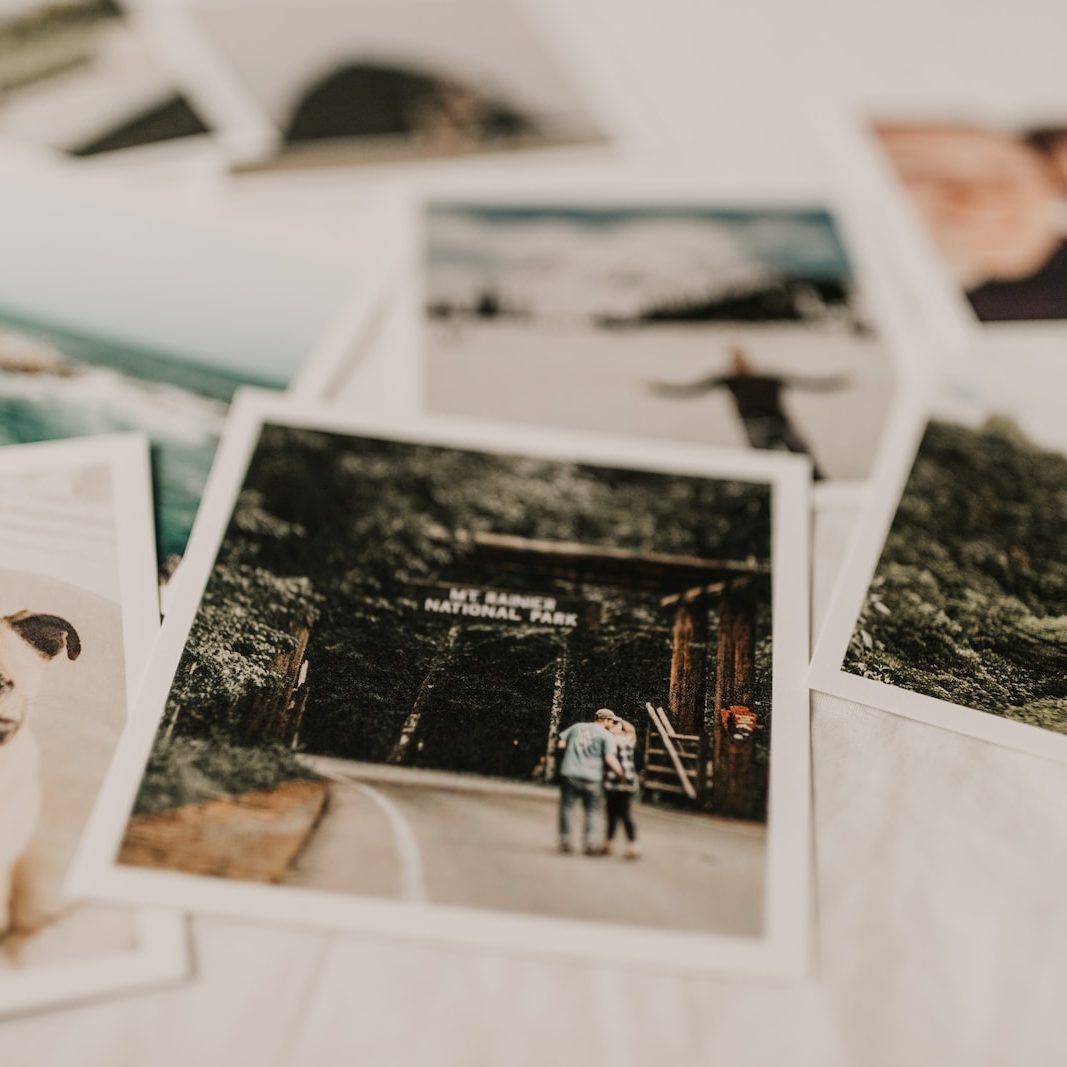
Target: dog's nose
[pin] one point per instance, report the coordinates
(8, 729)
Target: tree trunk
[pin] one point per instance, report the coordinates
(403, 751)
(282, 725)
(736, 651)
(268, 714)
(559, 692)
(688, 665)
(736, 780)
(300, 703)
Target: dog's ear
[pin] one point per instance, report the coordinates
(49, 634)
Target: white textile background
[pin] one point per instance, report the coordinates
(939, 860)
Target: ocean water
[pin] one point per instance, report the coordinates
(108, 387)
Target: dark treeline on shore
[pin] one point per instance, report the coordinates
(777, 300)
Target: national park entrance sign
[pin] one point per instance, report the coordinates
(721, 766)
(463, 602)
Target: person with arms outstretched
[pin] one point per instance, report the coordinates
(759, 401)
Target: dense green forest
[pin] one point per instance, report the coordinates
(331, 533)
(969, 601)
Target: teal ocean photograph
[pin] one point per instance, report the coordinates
(58, 383)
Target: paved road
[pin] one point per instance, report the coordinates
(422, 836)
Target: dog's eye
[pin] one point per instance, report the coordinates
(6, 685)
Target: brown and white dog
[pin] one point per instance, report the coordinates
(28, 643)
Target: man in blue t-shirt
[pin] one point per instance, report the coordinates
(587, 748)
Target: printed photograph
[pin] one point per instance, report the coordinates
(57, 383)
(993, 200)
(969, 601)
(63, 677)
(76, 77)
(374, 81)
(457, 677)
(727, 325)
(115, 317)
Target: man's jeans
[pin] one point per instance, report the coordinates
(590, 794)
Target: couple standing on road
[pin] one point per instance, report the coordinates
(597, 762)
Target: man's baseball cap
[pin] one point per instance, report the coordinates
(607, 713)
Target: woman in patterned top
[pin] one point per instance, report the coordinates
(620, 789)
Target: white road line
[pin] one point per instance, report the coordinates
(412, 874)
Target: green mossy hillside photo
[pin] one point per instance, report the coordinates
(969, 600)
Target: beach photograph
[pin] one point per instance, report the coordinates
(56, 383)
(81, 354)
(735, 325)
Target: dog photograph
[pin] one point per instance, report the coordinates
(742, 325)
(372, 82)
(63, 685)
(481, 680)
(28, 642)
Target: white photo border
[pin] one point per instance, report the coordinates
(162, 952)
(344, 345)
(784, 948)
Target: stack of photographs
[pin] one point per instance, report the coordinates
(493, 615)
